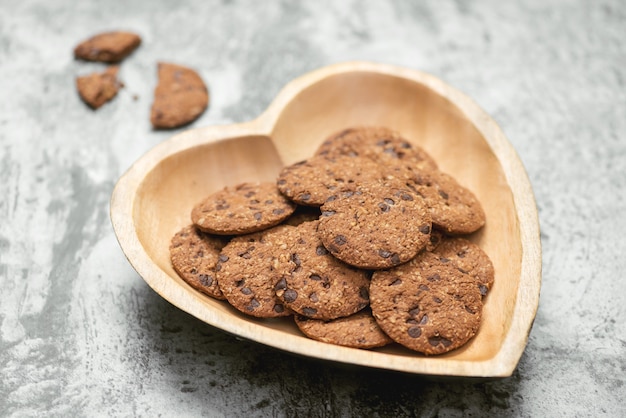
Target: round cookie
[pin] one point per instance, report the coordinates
(194, 255)
(377, 226)
(311, 182)
(379, 144)
(454, 209)
(469, 258)
(107, 46)
(318, 285)
(180, 97)
(242, 209)
(359, 330)
(248, 269)
(426, 305)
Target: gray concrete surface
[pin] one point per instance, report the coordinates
(81, 334)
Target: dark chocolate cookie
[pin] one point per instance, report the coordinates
(359, 330)
(107, 46)
(379, 144)
(318, 285)
(194, 255)
(249, 267)
(242, 209)
(180, 97)
(311, 182)
(98, 88)
(377, 226)
(469, 258)
(426, 305)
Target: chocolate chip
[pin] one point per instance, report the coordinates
(250, 193)
(424, 320)
(396, 282)
(254, 202)
(331, 198)
(384, 253)
(444, 260)
(278, 211)
(443, 194)
(258, 216)
(246, 291)
(290, 295)
(245, 255)
(406, 196)
(328, 213)
(253, 305)
(435, 277)
(305, 196)
(309, 311)
(382, 142)
(223, 258)
(240, 282)
(395, 259)
(315, 277)
(218, 266)
(424, 287)
(205, 279)
(461, 253)
(281, 284)
(313, 297)
(389, 201)
(348, 193)
(199, 254)
(383, 207)
(281, 182)
(296, 259)
(415, 311)
(470, 310)
(364, 293)
(222, 206)
(321, 250)
(436, 340)
(414, 332)
(483, 289)
(436, 299)
(193, 270)
(425, 229)
(340, 240)
(278, 308)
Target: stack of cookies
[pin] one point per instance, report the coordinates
(361, 244)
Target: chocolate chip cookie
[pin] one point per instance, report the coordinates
(98, 88)
(379, 144)
(242, 209)
(249, 267)
(194, 256)
(318, 285)
(469, 258)
(180, 97)
(426, 305)
(311, 182)
(359, 330)
(108, 46)
(376, 226)
(454, 208)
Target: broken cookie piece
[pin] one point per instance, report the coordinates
(98, 88)
(180, 97)
(107, 46)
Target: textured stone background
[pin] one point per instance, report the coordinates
(81, 334)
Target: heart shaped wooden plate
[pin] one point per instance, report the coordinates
(153, 200)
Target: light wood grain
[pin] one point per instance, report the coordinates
(154, 198)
